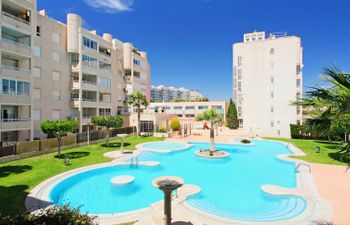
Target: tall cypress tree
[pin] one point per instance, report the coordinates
(231, 116)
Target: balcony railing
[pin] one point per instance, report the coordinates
(15, 43)
(16, 69)
(11, 120)
(89, 82)
(15, 18)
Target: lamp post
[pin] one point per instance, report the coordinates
(167, 185)
(88, 134)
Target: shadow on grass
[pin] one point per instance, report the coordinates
(8, 170)
(114, 145)
(73, 155)
(341, 156)
(12, 199)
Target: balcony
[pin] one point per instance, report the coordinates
(86, 102)
(15, 72)
(15, 124)
(86, 68)
(16, 47)
(15, 99)
(86, 85)
(16, 22)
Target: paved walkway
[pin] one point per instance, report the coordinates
(333, 183)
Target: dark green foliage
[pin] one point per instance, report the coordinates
(51, 216)
(108, 122)
(139, 102)
(245, 141)
(231, 116)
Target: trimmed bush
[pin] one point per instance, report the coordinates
(245, 141)
(175, 124)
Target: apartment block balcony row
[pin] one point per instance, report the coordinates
(17, 22)
(15, 72)
(15, 124)
(16, 47)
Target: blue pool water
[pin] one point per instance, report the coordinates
(231, 187)
(164, 145)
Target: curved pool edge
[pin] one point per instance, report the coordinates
(317, 209)
(142, 147)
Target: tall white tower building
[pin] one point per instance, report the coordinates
(267, 77)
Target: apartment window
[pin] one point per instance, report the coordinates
(56, 114)
(22, 88)
(239, 108)
(38, 31)
(37, 72)
(272, 51)
(217, 107)
(272, 109)
(239, 60)
(137, 62)
(240, 123)
(272, 124)
(272, 80)
(298, 69)
(179, 115)
(89, 43)
(104, 111)
(239, 72)
(104, 82)
(56, 76)
(8, 87)
(239, 84)
(202, 107)
(36, 114)
(189, 108)
(56, 95)
(37, 51)
(178, 108)
(272, 95)
(36, 93)
(56, 37)
(298, 83)
(90, 61)
(189, 115)
(56, 57)
(298, 95)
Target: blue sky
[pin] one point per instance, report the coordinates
(189, 42)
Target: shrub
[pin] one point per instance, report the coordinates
(245, 141)
(162, 129)
(52, 215)
(175, 124)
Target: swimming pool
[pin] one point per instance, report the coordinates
(163, 146)
(230, 187)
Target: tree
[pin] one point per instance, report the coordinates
(175, 124)
(57, 129)
(138, 101)
(213, 117)
(108, 122)
(330, 105)
(231, 116)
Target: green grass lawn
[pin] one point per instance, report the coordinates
(331, 152)
(19, 177)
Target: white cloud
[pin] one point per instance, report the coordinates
(111, 6)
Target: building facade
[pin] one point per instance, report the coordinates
(53, 70)
(163, 93)
(267, 77)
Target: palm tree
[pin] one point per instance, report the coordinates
(213, 117)
(328, 105)
(139, 102)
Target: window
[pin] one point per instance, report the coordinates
(104, 82)
(298, 69)
(56, 37)
(56, 76)
(239, 60)
(37, 51)
(104, 111)
(56, 114)
(22, 88)
(36, 114)
(240, 122)
(56, 57)
(90, 61)
(87, 42)
(272, 80)
(38, 31)
(239, 84)
(272, 124)
(298, 95)
(239, 72)
(217, 107)
(56, 95)
(137, 62)
(272, 109)
(189, 115)
(177, 107)
(36, 93)
(202, 107)
(272, 95)
(37, 72)
(179, 115)
(239, 108)
(189, 107)
(272, 51)
(8, 87)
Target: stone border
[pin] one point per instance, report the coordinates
(318, 209)
(141, 147)
(225, 155)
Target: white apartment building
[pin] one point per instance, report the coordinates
(163, 93)
(267, 77)
(52, 70)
